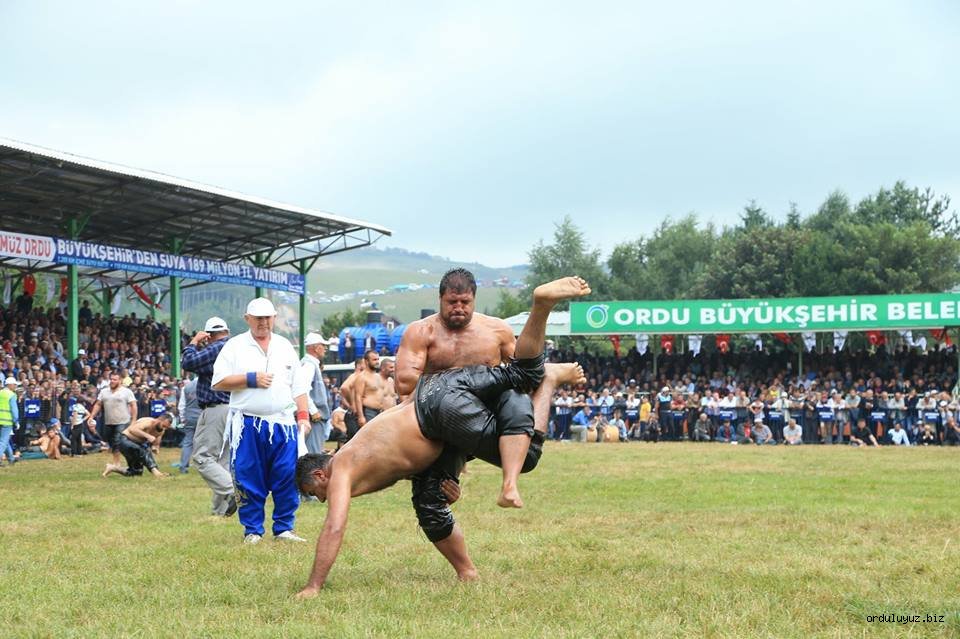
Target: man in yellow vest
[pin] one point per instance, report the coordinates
(9, 418)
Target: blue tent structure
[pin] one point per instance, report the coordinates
(395, 338)
(359, 335)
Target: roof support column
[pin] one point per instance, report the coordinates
(105, 299)
(303, 268)
(258, 260)
(176, 245)
(74, 227)
(803, 347)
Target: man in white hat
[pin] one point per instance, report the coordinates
(210, 456)
(9, 417)
(268, 404)
(318, 401)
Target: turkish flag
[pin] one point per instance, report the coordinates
(783, 337)
(63, 289)
(666, 343)
(615, 340)
(941, 335)
(876, 338)
(723, 343)
(29, 284)
(143, 295)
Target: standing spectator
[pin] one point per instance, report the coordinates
(841, 416)
(826, 418)
(662, 409)
(258, 369)
(79, 365)
(77, 417)
(32, 417)
(318, 401)
(188, 408)
(792, 434)
(210, 453)
(85, 314)
(119, 411)
(564, 413)
(9, 418)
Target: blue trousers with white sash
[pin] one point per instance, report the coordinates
(264, 461)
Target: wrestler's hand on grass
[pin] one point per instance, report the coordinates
(450, 490)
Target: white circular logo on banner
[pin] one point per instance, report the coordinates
(597, 315)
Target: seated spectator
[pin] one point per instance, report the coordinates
(897, 436)
(951, 436)
(762, 434)
(49, 440)
(861, 435)
(653, 430)
(580, 423)
(792, 433)
(726, 433)
(928, 437)
(701, 429)
(621, 426)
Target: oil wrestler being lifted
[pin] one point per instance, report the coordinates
(448, 415)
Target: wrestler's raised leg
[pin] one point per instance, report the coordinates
(513, 448)
(545, 297)
(555, 375)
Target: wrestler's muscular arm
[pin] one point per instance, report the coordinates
(412, 358)
(359, 389)
(328, 545)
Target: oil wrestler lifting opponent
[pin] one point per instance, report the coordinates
(446, 420)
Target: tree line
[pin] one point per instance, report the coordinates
(895, 241)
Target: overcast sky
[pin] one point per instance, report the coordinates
(469, 128)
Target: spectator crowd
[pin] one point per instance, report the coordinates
(902, 396)
(867, 397)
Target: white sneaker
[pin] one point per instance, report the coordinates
(288, 535)
(252, 538)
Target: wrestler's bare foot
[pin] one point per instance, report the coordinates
(468, 575)
(559, 374)
(110, 468)
(509, 498)
(558, 290)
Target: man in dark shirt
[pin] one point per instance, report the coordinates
(861, 435)
(210, 456)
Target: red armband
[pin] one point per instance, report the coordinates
(302, 414)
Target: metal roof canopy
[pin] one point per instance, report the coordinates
(41, 189)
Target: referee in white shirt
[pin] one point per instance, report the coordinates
(267, 405)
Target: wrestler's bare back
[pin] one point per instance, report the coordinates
(389, 448)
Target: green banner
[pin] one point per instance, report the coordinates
(787, 315)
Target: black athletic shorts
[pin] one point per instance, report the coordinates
(458, 406)
(111, 435)
(137, 456)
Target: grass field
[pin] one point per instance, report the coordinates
(620, 540)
